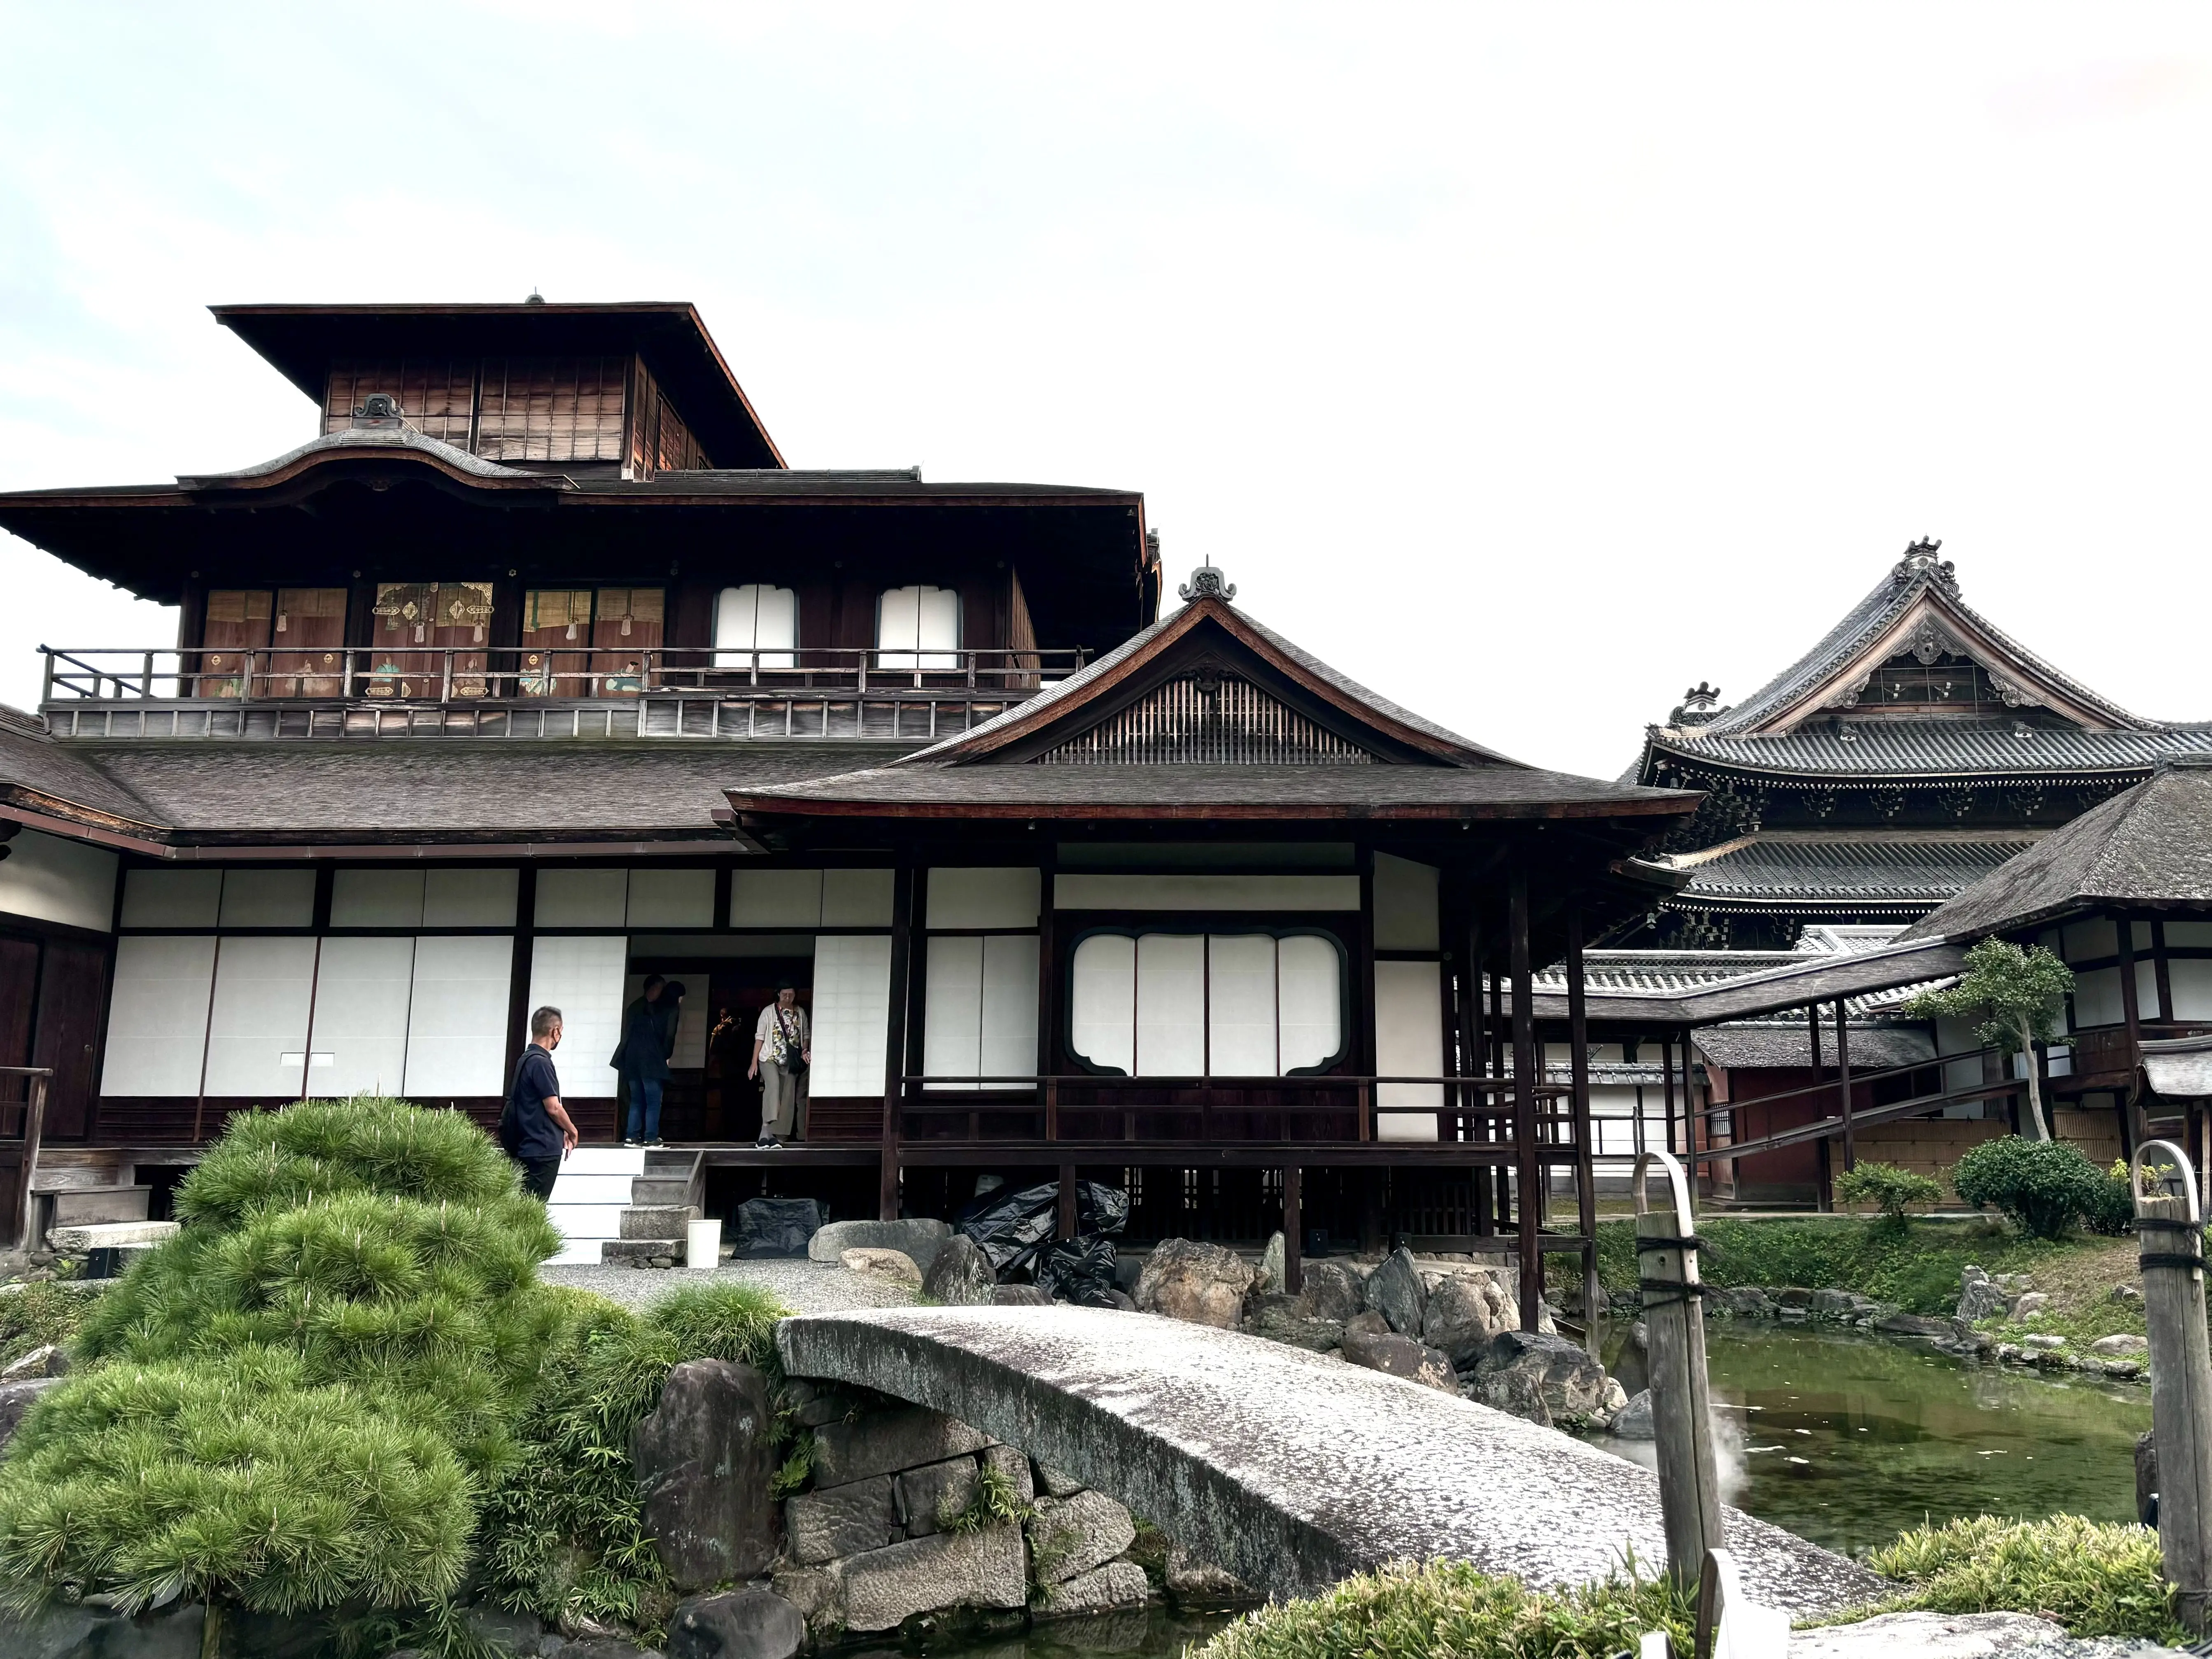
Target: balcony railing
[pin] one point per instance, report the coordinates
(532, 691)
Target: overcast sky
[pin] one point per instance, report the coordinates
(1529, 364)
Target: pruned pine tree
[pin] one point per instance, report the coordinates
(2015, 994)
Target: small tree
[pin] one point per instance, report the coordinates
(1889, 1189)
(2016, 994)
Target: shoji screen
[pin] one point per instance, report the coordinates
(358, 1045)
(582, 976)
(1102, 1025)
(1171, 1004)
(257, 1027)
(852, 1014)
(1240, 1005)
(157, 1019)
(1310, 996)
(982, 1006)
(458, 1043)
(1409, 1042)
(755, 621)
(925, 621)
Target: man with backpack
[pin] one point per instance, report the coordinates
(535, 1128)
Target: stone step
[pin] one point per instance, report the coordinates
(635, 1252)
(79, 1206)
(659, 1221)
(669, 1160)
(652, 1192)
(110, 1235)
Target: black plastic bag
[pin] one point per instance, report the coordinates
(775, 1226)
(1079, 1270)
(1010, 1226)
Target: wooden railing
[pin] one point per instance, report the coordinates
(1751, 1127)
(441, 674)
(24, 1151)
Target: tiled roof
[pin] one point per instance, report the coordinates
(1848, 871)
(1876, 750)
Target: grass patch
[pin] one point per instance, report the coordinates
(1450, 1610)
(39, 1314)
(2094, 1578)
(995, 1501)
(566, 1533)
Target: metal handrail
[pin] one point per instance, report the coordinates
(448, 673)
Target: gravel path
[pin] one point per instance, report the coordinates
(803, 1286)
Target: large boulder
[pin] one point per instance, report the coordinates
(1571, 1383)
(1980, 1296)
(1395, 1290)
(848, 1520)
(1464, 1311)
(1268, 1280)
(886, 1442)
(1333, 1290)
(1633, 1420)
(1942, 1636)
(2122, 1345)
(1399, 1356)
(1516, 1393)
(1202, 1284)
(1194, 1583)
(1018, 1296)
(751, 1624)
(887, 1587)
(919, 1238)
(704, 1464)
(1284, 1319)
(1069, 1536)
(890, 1266)
(933, 1489)
(1102, 1589)
(64, 1633)
(15, 1398)
(961, 1277)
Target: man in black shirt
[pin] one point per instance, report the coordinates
(535, 1130)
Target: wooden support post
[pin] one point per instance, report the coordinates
(1585, 1162)
(1066, 1227)
(1294, 1267)
(1666, 1077)
(34, 1126)
(887, 1187)
(2171, 1223)
(1047, 1055)
(1844, 1082)
(1478, 1066)
(1528, 1172)
(1681, 1408)
(2131, 1096)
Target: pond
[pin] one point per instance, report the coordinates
(1848, 1440)
(1153, 1632)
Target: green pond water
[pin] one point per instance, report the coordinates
(1848, 1440)
(1156, 1632)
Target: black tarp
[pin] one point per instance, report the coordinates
(775, 1226)
(1010, 1225)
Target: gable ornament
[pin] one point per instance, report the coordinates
(1206, 582)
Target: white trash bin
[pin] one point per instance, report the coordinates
(704, 1253)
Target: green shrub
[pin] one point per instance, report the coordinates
(1450, 1610)
(2094, 1578)
(995, 1501)
(2112, 1212)
(2043, 1187)
(566, 1534)
(38, 1315)
(1887, 1188)
(297, 1402)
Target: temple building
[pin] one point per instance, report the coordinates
(534, 670)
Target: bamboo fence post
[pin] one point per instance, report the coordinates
(2170, 1225)
(1681, 1415)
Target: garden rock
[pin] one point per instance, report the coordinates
(1516, 1393)
(1102, 1589)
(1332, 1291)
(1069, 1536)
(1201, 1284)
(62, 1633)
(1464, 1312)
(771, 1227)
(2128, 1295)
(2046, 1341)
(1283, 1319)
(815, 1591)
(1571, 1383)
(1741, 1302)
(751, 1624)
(519, 1634)
(1932, 1636)
(961, 1277)
(1795, 1295)
(887, 1587)
(1014, 1465)
(925, 1494)
(15, 1398)
(1395, 1290)
(891, 1267)
(1193, 1582)
(2034, 1301)
(1401, 1356)
(1905, 1324)
(1019, 1296)
(1269, 1279)
(1633, 1420)
(703, 1465)
(1056, 1483)
(847, 1520)
(919, 1239)
(888, 1441)
(47, 1361)
(2120, 1343)
(1980, 1296)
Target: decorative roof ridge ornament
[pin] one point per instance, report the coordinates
(1920, 561)
(1208, 583)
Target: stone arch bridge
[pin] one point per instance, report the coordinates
(1290, 1469)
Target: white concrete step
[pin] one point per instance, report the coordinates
(586, 1220)
(604, 1161)
(107, 1235)
(577, 1253)
(589, 1188)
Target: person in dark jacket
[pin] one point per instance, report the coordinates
(536, 1129)
(642, 1062)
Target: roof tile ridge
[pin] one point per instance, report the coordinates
(2122, 720)
(1862, 623)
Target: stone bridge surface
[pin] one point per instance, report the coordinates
(1291, 1470)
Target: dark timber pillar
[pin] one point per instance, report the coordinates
(902, 886)
(2132, 1131)
(1844, 1082)
(1065, 1219)
(1294, 1267)
(1496, 1100)
(1824, 1199)
(1528, 1172)
(1477, 1046)
(1585, 1164)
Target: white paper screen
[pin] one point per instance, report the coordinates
(775, 898)
(157, 1017)
(1103, 1020)
(171, 898)
(2191, 979)
(470, 898)
(583, 898)
(358, 1045)
(852, 1014)
(996, 896)
(856, 898)
(1310, 996)
(925, 621)
(981, 1003)
(671, 898)
(1010, 1006)
(1404, 904)
(583, 978)
(262, 990)
(756, 625)
(1409, 1042)
(1171, 1004)
(952, 1032)
(457, 1036)
(376, 898)
(268, 898)
(1240, 1004)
